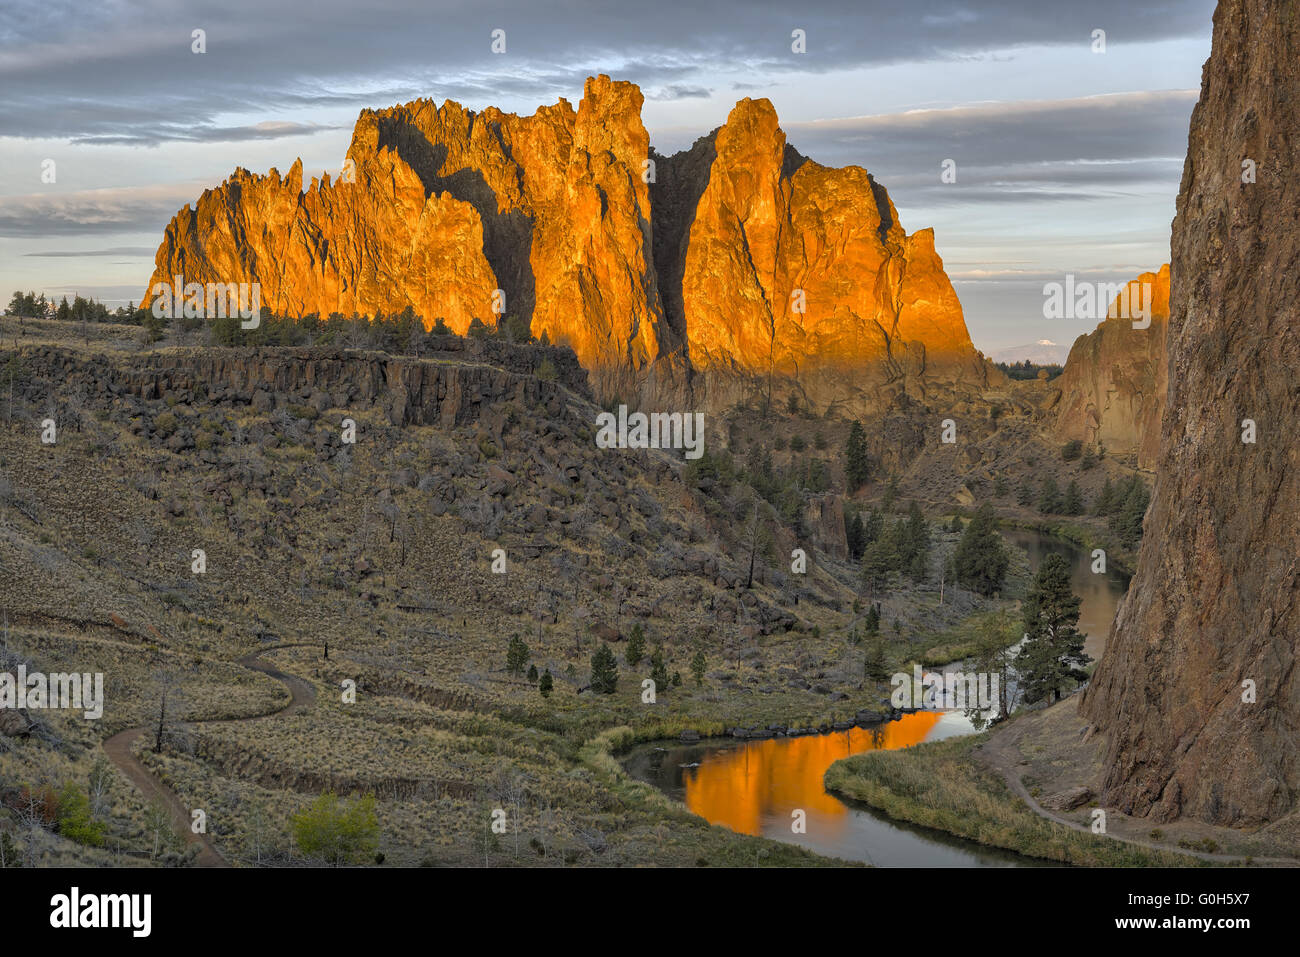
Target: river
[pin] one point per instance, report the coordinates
(754, 786)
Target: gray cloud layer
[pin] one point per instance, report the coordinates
(1028, 151)
(124, 72)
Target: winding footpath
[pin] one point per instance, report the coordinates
(118, 750)
(1001, 755)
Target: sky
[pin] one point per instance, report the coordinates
(1067, 158)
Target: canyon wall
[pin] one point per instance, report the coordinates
(1213, 602)
(1112, 390)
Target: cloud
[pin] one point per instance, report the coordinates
(136, 209)
(158, 132)
(119, 72)
(147, 251)
(677, 91)
(1029, 151)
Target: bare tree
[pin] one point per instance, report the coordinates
(101, 779)
(170, 729)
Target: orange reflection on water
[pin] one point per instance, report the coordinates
(738, 788)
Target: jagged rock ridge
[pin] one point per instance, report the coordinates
(735, 261)
(1214, 600)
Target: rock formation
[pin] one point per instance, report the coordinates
(795, 270)
(728, 267)
(1112, 390)
(1215, 597)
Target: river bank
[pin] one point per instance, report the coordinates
(1029, 785)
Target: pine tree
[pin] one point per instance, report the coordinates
(1053, 652)
(532, 674)
(604, 671)
(546, 683)
(980, 561)
(857, 461)
(635, 646)
(872, 623)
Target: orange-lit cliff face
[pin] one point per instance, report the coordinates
(738, 789)
(1115, 380)
(735, 258)
(790, 262)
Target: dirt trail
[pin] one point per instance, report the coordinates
(1002, 752)
(118, 750)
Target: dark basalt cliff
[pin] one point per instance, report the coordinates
(1214, 600)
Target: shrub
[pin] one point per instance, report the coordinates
(338, 832)
(75, 820)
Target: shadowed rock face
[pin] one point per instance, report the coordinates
(1114, 383)
(682, 283)
(1214, 599)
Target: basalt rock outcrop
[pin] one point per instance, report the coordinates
(735, 267)
(467, 383)
(1215, 601)
(1112, 390)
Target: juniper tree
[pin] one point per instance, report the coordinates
(1105, 499)
(1049, 499)
(698, 665)
(658, 670)
(604, 671)
(874, 666)
(1073, 503)
(635, 646)
(516, 655)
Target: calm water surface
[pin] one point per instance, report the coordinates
(753, 786)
